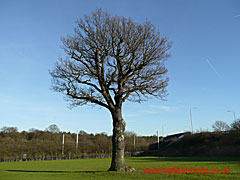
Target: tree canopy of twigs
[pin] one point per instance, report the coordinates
(111, 60)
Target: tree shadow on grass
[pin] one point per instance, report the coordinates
(31, 171)
(187, 159)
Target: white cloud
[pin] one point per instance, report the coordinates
(163, 108)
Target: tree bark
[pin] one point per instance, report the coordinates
(118, 144)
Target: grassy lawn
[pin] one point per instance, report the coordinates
(97, 169)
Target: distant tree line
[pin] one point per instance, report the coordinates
(47, 144)
(42, 145)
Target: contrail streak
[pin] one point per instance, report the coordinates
(213, 68)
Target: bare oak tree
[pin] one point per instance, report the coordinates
(109, 60)
(235, 126)
(219, 126)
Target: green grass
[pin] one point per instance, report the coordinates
(97, 169)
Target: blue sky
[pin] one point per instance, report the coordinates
(203, 68)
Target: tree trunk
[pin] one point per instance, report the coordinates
(118, 144)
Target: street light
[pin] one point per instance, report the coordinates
(134, 142)
(77, 145)
(233, 114)
(63, 144)
(191, 117)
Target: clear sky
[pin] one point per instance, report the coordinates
(203, 68)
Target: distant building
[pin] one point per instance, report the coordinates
(164, 141)
(175, 137)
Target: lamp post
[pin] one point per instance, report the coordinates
(162, 132)
(63, 145)
(191, 117)
(233, 115)
(134, 142)
(77, 145)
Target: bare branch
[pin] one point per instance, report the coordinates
(111, 59)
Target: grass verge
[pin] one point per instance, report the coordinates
(97, 169)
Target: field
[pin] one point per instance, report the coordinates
(97, 169)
